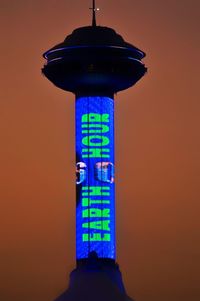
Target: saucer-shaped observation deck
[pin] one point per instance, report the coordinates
(94, 60)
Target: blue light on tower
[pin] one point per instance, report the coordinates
(95, 187)
(94, 63)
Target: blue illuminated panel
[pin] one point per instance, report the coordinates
(95, 188)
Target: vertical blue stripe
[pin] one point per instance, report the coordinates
(95, 186)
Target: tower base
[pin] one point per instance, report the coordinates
(95, 280)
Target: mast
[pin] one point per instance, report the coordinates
(94, 9)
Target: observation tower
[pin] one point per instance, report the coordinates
(94, 63)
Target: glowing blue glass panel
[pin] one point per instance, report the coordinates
(95, 187)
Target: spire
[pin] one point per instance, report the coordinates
(94, 9)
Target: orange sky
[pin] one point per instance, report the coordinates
(157, 151)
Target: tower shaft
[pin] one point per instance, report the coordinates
(95, 187)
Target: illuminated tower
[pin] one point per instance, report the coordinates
(94, 63)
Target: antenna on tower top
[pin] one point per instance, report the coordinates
(94, 9)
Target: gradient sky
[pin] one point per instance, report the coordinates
(157, 151)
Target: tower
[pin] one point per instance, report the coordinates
(94, 63)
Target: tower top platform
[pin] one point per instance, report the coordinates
(95, 36)
(94, 60)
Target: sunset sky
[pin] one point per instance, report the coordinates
(157, 151)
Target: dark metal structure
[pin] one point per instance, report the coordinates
(94, 59)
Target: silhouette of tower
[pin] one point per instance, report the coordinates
(94, 63)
